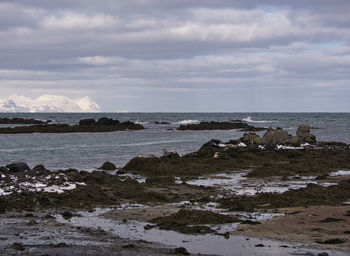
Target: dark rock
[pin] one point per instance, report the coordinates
(65, 128)
(67, 215)
(195, 217)
(323, 254)
(86, 122)
(41, 170)
(107, 121)
(18, 246)
(59, 245)
(73, 174)
(259, 245)
(250, 222)
(328, 220)
(160, 179)
(108, 166)
(331, 241)
(18, 167)
(97, 177)
(347, 232)
(32, 223)
(129, 246)
(149, 226)
(220, 126)
(181, 251)
(191, 155)
(304, 135)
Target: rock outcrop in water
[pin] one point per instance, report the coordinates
(101, 121)
(304, 135)
(278, 136)
(103, 124)
(220, 126)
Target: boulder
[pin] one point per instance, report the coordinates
(87, 122)
(18, 167)
(304, 135)
(251, 138)
(275, 136)
(108, 166)
(41, 170)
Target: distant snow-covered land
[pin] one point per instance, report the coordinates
(47, 103)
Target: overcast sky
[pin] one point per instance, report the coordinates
(180, 55)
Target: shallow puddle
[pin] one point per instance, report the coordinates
(238, 184)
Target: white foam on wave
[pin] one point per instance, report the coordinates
(250, 120)
(188, 122)
(340, 173)
(142, 123)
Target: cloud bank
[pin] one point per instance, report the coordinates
(184, 55)
(47, 103)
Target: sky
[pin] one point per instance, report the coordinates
(180, 56)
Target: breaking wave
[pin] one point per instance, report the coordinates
(250, 120)
(188, 122)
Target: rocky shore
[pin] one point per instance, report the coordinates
(219, 190)
(87, 125)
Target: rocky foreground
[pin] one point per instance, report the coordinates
(303, 184)
(103, 124)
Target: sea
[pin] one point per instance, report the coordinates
(88, 151)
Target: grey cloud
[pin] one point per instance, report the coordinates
(196, 50)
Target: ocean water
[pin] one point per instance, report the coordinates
(87, 151)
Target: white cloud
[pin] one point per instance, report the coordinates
(78, 21)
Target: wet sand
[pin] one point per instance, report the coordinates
(310, 225)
